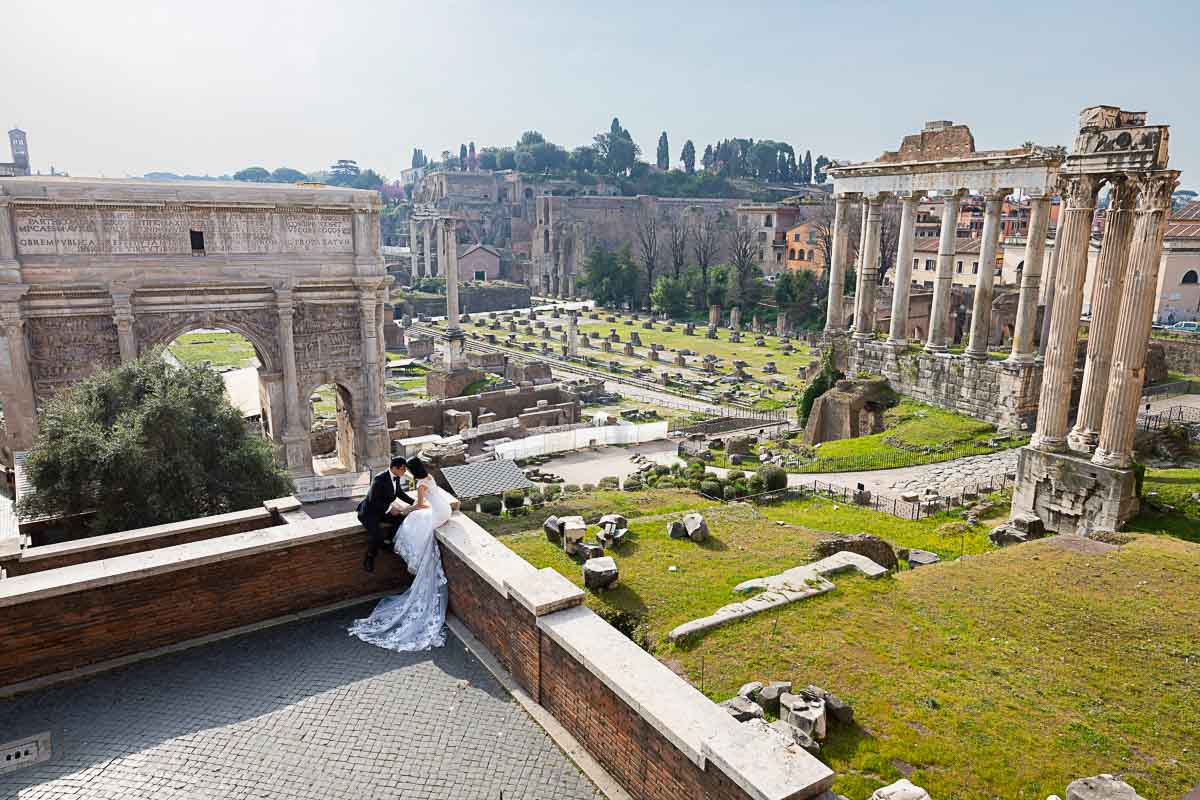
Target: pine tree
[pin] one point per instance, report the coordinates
(708, 160)
(807, 173)
(664, 152)
(462, 156)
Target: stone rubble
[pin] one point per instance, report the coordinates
(600, 573)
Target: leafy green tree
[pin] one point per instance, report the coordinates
(487, 158)
(669, 296)
(709, 159)
(344, 171)
(821, 383)
(368, 179)
(807, 169)
(664, 152)
(148, 443)
(253, 174)
(288, 175)
(418, 158)
(784, 292)
(583, 158)
(688, 157)
(506, 158)
(472, 159)
(616, 149)
(524, 161)
(718, 286)
(462, 156)
(611, 278)
(530, 138)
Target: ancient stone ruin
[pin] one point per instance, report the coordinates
(850, 409)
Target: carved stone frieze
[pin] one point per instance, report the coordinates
(63, 350)
(328, 334)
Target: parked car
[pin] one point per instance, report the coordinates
(1190, 326)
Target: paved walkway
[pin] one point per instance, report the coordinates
(301, 711)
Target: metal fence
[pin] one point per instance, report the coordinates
(860, 463)
(1172, 389)
(1186, 416)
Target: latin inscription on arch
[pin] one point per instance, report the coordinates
(50, 230)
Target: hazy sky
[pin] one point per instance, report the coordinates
(121, 87)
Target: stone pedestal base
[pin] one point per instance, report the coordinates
(1071, 495)
(440, 384)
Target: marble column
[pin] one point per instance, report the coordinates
(20, 411)
(572, 333)
(1031, 275)
(428, 246)
(296, 444)
(939, 313)
(834, 319)
(378, 445)
(456, 340)
(1115, 448)
(123, 319)
(1107, 291)
(981, 311)
(868, 273)
(902, 274)
(1062, 343)
(412, 245)
(1051, 277)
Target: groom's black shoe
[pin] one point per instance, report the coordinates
(369, 563)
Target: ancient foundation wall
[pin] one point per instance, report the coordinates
(996, 391)
(1182, 355)
(505, 404)
(1071, 495)
(82, 615)
(471, 300)
(653, 732)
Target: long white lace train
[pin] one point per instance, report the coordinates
(415, 620)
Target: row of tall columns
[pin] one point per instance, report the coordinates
(1076, 224)
(1124, 390)
(903, 281)
(1031, 276)
(939, 314)
(834, 320)
(868, 270)
(1106, 292)
(981, 312)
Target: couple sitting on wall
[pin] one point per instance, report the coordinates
(414, 620)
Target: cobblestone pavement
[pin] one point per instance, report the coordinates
(298, 711)
(950, 476)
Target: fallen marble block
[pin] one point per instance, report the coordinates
(768, 696)
(553, 529)
(742, 709)
(750, 690)
(902, 789)
(789, 586)
(1101, 787)
(922, 558)
(599, 573)
(697, 528)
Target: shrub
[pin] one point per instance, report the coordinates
(696, 484)
(633, 485)
(552, 491)
(735, 475)
(711, 488)
(1139, 476)
(662, 469)
(740, 488)
(754, 484)
(491, 505)
(730, 493)
(665, 483)
(610, 482)
(589, 487)
(773, 478)
(571, 488)
(518, 512)
(514, 498)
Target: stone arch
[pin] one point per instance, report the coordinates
(1190, 277)
(350, 397)
(258, 326)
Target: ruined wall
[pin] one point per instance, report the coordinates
(505, 404)
(1182, 355)
(471, 300)
(996, 391)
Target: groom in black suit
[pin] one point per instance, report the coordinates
(373, 510)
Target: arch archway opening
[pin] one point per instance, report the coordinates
(331, 430)
(248, 385)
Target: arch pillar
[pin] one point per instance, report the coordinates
(375, 451)
(296, 444)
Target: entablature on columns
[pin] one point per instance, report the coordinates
(977, 178)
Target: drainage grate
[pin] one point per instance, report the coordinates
(24, 752)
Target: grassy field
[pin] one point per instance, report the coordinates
(913, 424)
(746, 350)
(1179, 489)
(221, 349)
(1006, 674)
(592, 505)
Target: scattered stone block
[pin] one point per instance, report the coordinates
(553, 529)
(676, 529)
(922, 558)
(1029, 524)
(801, 712)
(573, 530)
(902, 789)
(600, 573)
(742, 709)
(1100, 787)
(615, 520)
(750, 690)
(794, 735)
(697, 528)
(864, 544)
(768, 696)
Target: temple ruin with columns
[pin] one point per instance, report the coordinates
(1076, 479)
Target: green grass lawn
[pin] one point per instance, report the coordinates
(1177, 488)
(593, 505)
(221, 349)
(913, 424)
(1003, 675)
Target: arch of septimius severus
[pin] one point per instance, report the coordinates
(1075, 478)
(94, 272)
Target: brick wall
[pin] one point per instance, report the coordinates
(77, 628)
(1181, 355)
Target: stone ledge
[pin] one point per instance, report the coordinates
(485, 555)
(544, 592)
(150, 532)
(120, 569)
(767, 768)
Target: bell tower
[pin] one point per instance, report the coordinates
(20, 151)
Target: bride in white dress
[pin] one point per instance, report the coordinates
(416, 619)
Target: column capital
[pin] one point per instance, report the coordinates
(911, 195)
(952, 194)
(1079, 191)
(845, 197)
(1122, 192)
(996, 195)
(1155, 189)
(875, 198)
